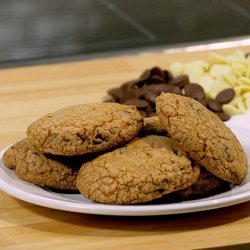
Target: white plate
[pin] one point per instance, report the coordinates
(77, 203)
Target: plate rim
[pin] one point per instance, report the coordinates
(124, 210)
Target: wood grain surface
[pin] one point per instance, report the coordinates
(26, 93)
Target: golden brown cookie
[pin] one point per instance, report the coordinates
(153, 126)
(144, 169)
(85, 128)
(9, 158)
(207, 184)
(32, 166)
(203, 136)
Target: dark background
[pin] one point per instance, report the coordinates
(51, 30)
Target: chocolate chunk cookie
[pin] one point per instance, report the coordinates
(203, 136)
(85, 128)
(32, 166)
(207, 184)
(145, 169)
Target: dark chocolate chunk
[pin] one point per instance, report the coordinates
(175, 90)
(129, 85)
(151, 114)
(99, 138)
(213, 105)
(167, 76)
(142, 92)
(110, 99)
(155, 79)
(143, 113)
(194, 91)
(223, 116)
(180, 81)
(150, 92)
(202, 101)
(225, 96)
(140, 104)
(145, 75)
(116, 93)
(157, 71)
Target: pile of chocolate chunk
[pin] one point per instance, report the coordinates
(142, 92)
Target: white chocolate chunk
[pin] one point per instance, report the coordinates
(218, 73)
(176, 69)
(244, 80)
(206, 82)
(246, 95)
(246, 99)
(247, 73)
(232, 59)
(211, 95)
(218, 86)
(229, 79)
(201, 63)
(239, 90)
(241, 106)
(239, 54)
(214, 58)
(231, 110)
(196, 73)
(217, 70)
(239, 67)
(247, 102)
(235, 100)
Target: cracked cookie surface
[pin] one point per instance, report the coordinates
(32, 166)
(85, 128)
(145, 169)
(203, 136)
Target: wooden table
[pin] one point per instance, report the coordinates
(29, 92)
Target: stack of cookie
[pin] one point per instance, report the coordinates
(111, 155)
(60, 142)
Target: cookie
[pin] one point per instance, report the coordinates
(9, 158)
(85, 128)
(144, 169)
(32, 166)
(203, 136)
(207, 184)
(152, 126)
